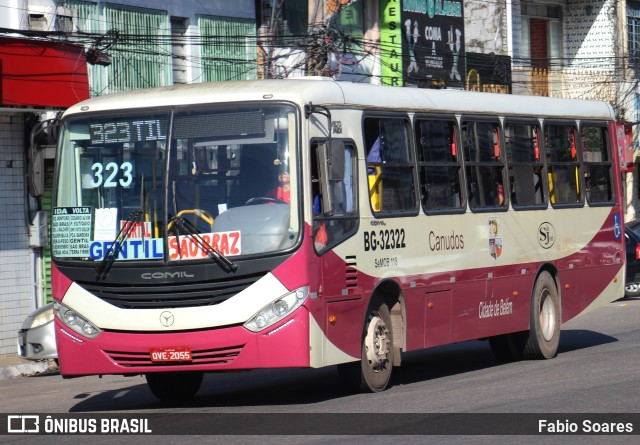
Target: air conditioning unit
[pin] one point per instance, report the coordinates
(38, 22)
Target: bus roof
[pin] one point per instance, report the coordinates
(328, 92)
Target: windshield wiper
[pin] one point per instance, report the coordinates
(186, 226)
(102, 269)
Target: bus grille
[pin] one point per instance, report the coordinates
(220, 356)
(170, 295)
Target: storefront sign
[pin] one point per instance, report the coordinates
(391, 42)
(42, 73)
(488, 73)
(433, 43)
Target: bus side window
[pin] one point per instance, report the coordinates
(390, 167)
(335, 214)
(525, 165)
(563, 164)
(439, 165)
(597, 165)
(484, 165)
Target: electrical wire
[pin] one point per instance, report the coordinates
(323, 43)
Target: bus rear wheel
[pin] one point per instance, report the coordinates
(174, 385)
(373, 372)
(508, 347)
(544, 331)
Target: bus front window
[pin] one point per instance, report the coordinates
(232, 179)
(110, 168)
(225, 178)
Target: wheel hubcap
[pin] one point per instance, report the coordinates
(547, 316)
(377, 343)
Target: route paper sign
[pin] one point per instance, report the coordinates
(71, 231)
(105, 228)
(187, 247)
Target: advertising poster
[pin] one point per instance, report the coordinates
(433, 43)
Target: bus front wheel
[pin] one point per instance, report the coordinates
(544, 330)
(174, 385)
(373, 372)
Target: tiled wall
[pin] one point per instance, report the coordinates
(17, 291)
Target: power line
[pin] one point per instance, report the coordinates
(322, 39)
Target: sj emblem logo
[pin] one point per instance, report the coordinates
(546, 235)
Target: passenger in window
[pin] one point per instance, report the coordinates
(283, 191)
(320, 237)
(499, 191)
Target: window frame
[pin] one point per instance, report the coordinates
(411, 163)
(475, 164)
(510, 163)
(549, 165)
(632, 15)
(321, 218)
(610, 163)
(420, 163)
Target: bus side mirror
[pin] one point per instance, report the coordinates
(35, 173)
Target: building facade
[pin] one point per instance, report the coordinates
(127, 45)
(37, 80)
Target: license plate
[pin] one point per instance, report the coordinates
(178, 354)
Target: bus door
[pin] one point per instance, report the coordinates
(335, 220)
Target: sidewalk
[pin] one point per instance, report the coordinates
(14, 366)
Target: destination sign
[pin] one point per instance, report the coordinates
(121, 131)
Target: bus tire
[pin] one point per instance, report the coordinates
(373, 372)
(544, 324)
(508, 347)
(174, 385)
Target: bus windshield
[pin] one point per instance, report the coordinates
(175, 186)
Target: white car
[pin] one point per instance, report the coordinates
(36, 338)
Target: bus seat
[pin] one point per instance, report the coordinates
(375, 188)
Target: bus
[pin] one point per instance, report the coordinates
(305, 223)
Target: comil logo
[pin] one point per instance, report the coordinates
(23, 424)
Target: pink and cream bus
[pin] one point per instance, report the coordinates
(309, 223)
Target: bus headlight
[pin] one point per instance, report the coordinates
(75, 321)
(277, 310)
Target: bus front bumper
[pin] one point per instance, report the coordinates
(283, 345)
